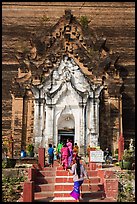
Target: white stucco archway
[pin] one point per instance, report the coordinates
(68, 95)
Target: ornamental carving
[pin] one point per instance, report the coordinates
(68, 39)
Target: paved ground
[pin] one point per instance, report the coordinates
(105, 166)
(111, 167)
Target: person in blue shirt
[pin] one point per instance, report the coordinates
(51, 155)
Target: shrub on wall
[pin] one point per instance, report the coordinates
(11, 188)
(84, 22)
(126, 189)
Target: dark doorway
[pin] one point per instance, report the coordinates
(63, 135)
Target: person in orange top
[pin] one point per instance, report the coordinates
(88, 150)
(75, 150)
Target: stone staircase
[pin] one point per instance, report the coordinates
(55, 184)
(45, 184)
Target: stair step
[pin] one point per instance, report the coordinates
(46, 173)
(68, 179)
(49, 168)
(92, 173)
(55, 185)
(66, 173)
(85, 194)
(45, 194)
(44, 180)
(64, 199)
(68, 199)
(44, 187)
(44, 199)
(94, 187)
(85, 186)
(62, 173)
(64, 179)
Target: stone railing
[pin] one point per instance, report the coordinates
(110, 182)
(29, 185)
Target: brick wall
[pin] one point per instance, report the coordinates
(116, 20)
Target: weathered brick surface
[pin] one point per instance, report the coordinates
(28, 191)
(116, 20)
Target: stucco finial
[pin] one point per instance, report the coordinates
(68, 14)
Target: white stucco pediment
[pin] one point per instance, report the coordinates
(67, 75)
(66, 80)
(69, 100)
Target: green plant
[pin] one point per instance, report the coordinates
(116, 156)
(44, 19)
(128, 160)
(116, 151)
(30, 148)
(116, 164)
(84, 22)
(128, 155)
(4, 163)
(125, 164)
(126, 187)
(8, 163)
(11, 187)
(5, 147)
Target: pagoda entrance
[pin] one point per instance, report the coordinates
(73, 88)
(63, 135)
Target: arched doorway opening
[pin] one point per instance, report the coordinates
(63, 135)
(66, 128)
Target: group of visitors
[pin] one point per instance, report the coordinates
(64, 153)
(68, 157)
(68, 153)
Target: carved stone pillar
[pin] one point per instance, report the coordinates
(90, 124)
(82, 127)
(93, 124)
(48, 133)
(27, 119)
(94, 119)
(96, 106)
(39, 117)
(37, 137)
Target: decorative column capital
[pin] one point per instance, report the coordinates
(82, 104)
(39, 100)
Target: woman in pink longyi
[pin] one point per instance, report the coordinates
(69, 144)
(65, 155)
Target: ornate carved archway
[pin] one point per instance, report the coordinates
(68, 43)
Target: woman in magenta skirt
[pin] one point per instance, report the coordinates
(79, 173)
(65, 155)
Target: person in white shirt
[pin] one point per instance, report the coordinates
(79, 173)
